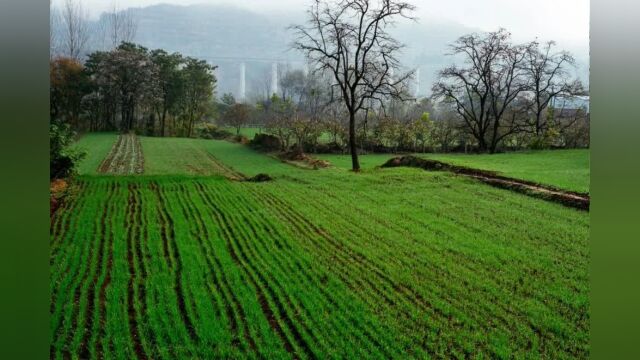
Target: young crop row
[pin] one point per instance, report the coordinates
(175, 269)
(312, 266)
(448, 263)
(125, 157)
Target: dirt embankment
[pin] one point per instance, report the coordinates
(549, 193)
(302, 160)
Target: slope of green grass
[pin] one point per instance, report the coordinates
(180, 156)
(96, 146)
(387, 263)
(566, 169)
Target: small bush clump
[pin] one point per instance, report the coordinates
(266, 142)
(62, 156)
(211, 131)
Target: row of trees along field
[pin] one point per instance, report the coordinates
(132, 88)
(497, 95)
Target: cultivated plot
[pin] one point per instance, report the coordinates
(125, 157)
(316, 264)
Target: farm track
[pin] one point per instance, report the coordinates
(167, 268)
(125, 157)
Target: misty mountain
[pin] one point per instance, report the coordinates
(226, 36)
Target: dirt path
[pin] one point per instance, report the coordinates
(549, 193)
(125, 157)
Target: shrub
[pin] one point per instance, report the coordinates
(210, 131)
(62, 156)
(266, 142)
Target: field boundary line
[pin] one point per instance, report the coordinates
(546, 192)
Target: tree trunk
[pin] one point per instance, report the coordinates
(355, 164)
(482, 144)
(162, 122)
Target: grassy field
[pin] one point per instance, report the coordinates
(388, 263)
(367, 162)
(565, 169)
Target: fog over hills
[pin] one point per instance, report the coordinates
(226, 35)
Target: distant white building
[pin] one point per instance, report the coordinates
(571, 103)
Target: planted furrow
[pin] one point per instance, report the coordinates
(289, 261)
(196, 233)
(469, 271)
(64, 239)
(77, 285)
(224, 169)
(417, 300)
(139, 167)
(304, 228)
(457, 301)
(162, 220)
(133, 235)
(63, 257)
(415, 297)
(176, 262)
(70, 258)
(62, 218)
(263, 293)
(124, 158)
(116, 164)
(143, 237)
(159, 321)
(232, 284)
(99, 347)
(383, 288)
(133, 156)
(92, 293)
(230, 302)
(106, 164)
(247, 247)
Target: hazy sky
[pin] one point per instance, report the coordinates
(563, 20)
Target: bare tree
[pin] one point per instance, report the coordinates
(262, 85)
(484, 89)
(547, 71)
(101, 32)
(123, 25)
(76, 29)
(349, 40)
(54, 31)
